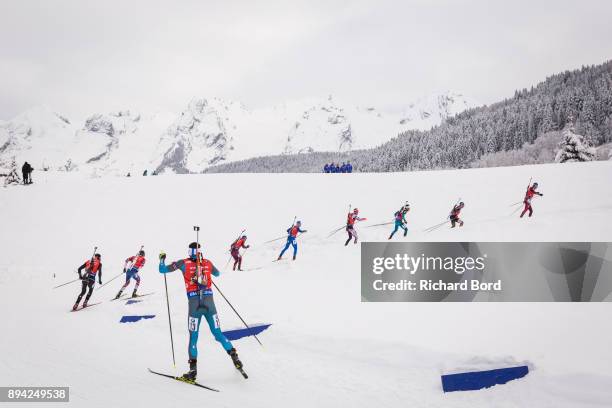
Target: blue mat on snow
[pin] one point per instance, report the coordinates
(131, 319)
(240, 333)
(478, 380)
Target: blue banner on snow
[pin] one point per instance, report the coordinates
(240, 333)
(478, 380)
(131, 319)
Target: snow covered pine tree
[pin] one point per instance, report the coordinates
(13, 175)
(574, 147)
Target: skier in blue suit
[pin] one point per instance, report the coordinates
(291, 239)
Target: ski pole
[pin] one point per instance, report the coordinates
(169, 321)
(235, 311)
(64, 284)
(378, 225)
(107, 282)
(435, 226)
(275, 239)
(335, 231)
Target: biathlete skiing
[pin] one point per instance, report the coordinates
(351, 219)
(292, 239)
(400, 220)
(197, 273)
(235, 251)
(137, 262)
(92, 268)
(531, 192)
(454, 215)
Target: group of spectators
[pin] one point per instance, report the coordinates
(26, 172)
(335, 168)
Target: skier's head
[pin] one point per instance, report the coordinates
(244, 237)
(356, 211)
(298, 223)
(194, 250)
(461, 204)
(535, 185)
(98, 256)
(141, 253)
(406, 206)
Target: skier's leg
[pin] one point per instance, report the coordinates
(213, 322)
(90, 285)
(355, 234)
(294, 243)
(83, 290)
(285, 248)
(193, 325)
(530, 210)
(405, 228)
(350, 236)
(239, 263)
(394, 230)
(137, 279)
(235, 256)
(525, 208)
(125, 285)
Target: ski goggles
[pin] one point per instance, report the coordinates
(193, 252)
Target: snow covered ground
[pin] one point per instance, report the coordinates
(325, 347)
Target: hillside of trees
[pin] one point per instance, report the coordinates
(582, 96)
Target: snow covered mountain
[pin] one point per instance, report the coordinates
(208, 132)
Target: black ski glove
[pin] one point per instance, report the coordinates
(247, 246)
(541, 194)
(124, 270)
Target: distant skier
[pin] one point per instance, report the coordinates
(197, 273)
(92, 267)
(326, 168)
(351, 219)
(454, 215)
(400, 220)
(137, 262)
(235, 251)
(291, 239)
(531, 191)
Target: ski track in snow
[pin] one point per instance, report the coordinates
(324, 347)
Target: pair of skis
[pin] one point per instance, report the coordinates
(197, 384)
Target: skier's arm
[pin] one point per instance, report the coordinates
(302, 231)
(215, 271)
(163, 268)
(100, 274)
(80, 269)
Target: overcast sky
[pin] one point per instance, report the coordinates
(80, 57)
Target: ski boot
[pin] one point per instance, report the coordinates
(75, 307)
(134, 294)
(84, 304)
(294, 257)
(405, 232)
(119, 294)
(237, 363)
(190, 376)
(279, 258)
